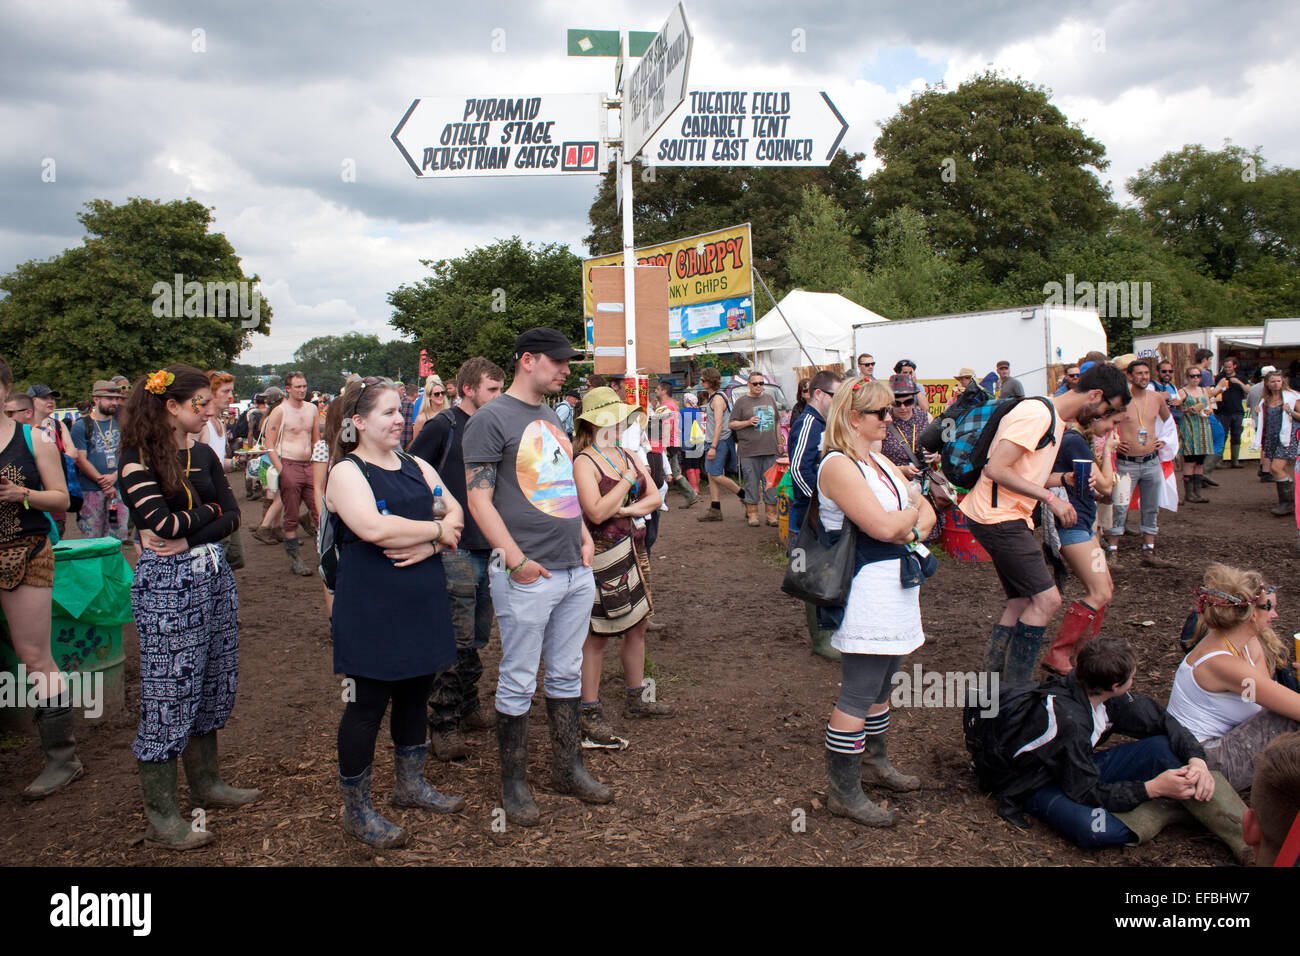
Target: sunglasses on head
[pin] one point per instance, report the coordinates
(903, 402)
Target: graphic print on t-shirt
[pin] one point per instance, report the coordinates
(766, 418)
(545, 470)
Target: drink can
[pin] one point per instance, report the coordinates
(1082, 472)
(1296, 638)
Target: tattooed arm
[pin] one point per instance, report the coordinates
(480, 485)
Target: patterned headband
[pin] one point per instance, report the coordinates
(1212, 596)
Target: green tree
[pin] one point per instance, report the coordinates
(478, 303)
(93, 311)
(822, 251)
(997, 171)
(1231, 216)
(687, 201)
(908, 278)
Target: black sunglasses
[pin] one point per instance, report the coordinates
(904, 403)
(881, 413)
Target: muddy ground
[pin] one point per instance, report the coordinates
(728, 780)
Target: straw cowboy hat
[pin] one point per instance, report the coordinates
(601, 407)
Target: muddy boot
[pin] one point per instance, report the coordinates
(292, 547)
(876, 768)
(1150, 559)
(685, 488)
(712, 513)
(1195, 495)
(54, 724)
(595, 728)
(411, 789)
(821, 639)
(995, 657)
(1285, 499)
(844, 796)
(1112, 556)
(265, 535)
(1022, 653)
(448, 744)
(569, 775)
(1146, 820)
(1221, 815)
(1076, 623)
(479, 719)
(638, 706)
(516, 798)
(751, 515)
(361, 820)
(207, 789)
(167, 828)
(772, 519)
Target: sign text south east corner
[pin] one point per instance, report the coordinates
(473, 136)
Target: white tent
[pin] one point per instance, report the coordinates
(822, 322)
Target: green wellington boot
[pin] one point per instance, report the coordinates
(54, 724)
(167, 828)
(516, 798)
(1146, 820)
(1221, 815)
(820, 639)
(207, 789)
(878, 771)
(844, 796)
(569, 774)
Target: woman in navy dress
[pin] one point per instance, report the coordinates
(391, 617)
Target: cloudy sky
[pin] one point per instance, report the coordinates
(260, 113)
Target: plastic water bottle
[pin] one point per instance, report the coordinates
(439, 504)
(382, 505)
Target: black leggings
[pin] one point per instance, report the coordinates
(360, 724)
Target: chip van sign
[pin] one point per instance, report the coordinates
(473, 136)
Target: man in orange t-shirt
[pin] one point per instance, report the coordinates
(1000, 506)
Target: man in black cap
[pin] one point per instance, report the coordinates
(521, 493)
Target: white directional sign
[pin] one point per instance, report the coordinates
(504, 136)
(798, 127)
(658, 83)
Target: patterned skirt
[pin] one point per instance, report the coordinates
(186, 611)
(622, 573)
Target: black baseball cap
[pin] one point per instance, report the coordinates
(548, 342)
(42, 391)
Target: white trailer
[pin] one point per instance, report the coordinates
(1208, 338)
(1031, 338)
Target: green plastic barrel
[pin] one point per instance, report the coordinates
(90, 603)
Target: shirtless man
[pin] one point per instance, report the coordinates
(1138, 459)
(291, 432)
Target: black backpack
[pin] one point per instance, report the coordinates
(327, 532)
(990, 739)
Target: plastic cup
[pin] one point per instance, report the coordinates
(1082, 472)
(1296, 638)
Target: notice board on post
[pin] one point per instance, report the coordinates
(608, 326)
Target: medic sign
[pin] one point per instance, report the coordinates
(503, 136)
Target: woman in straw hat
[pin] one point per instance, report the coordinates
(616, 493)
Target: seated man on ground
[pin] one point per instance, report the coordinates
(1100, 798)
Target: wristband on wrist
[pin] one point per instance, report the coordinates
(511, 571)
(437, 537)
(916, 535)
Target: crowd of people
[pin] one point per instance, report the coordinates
(481, 501)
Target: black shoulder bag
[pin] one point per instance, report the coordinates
(818, 572)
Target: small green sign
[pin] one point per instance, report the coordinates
(605, 42)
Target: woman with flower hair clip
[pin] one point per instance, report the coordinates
(183, 600)
(1224, 690)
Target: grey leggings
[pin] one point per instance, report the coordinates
(1234, 754)
(865, 679)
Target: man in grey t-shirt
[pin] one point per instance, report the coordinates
(753, 421)
(1008, 387)
(520, 491)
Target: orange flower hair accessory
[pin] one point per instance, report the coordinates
(158, 382)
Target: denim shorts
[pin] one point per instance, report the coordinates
(725, 460)
(1076, 536)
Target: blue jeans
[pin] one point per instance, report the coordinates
(546, 620)
(471, 598)
(725, 460)
(1092, 827)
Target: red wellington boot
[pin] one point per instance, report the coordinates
(1093, 631)
(1077, 623)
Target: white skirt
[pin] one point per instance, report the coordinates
(881, 616)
